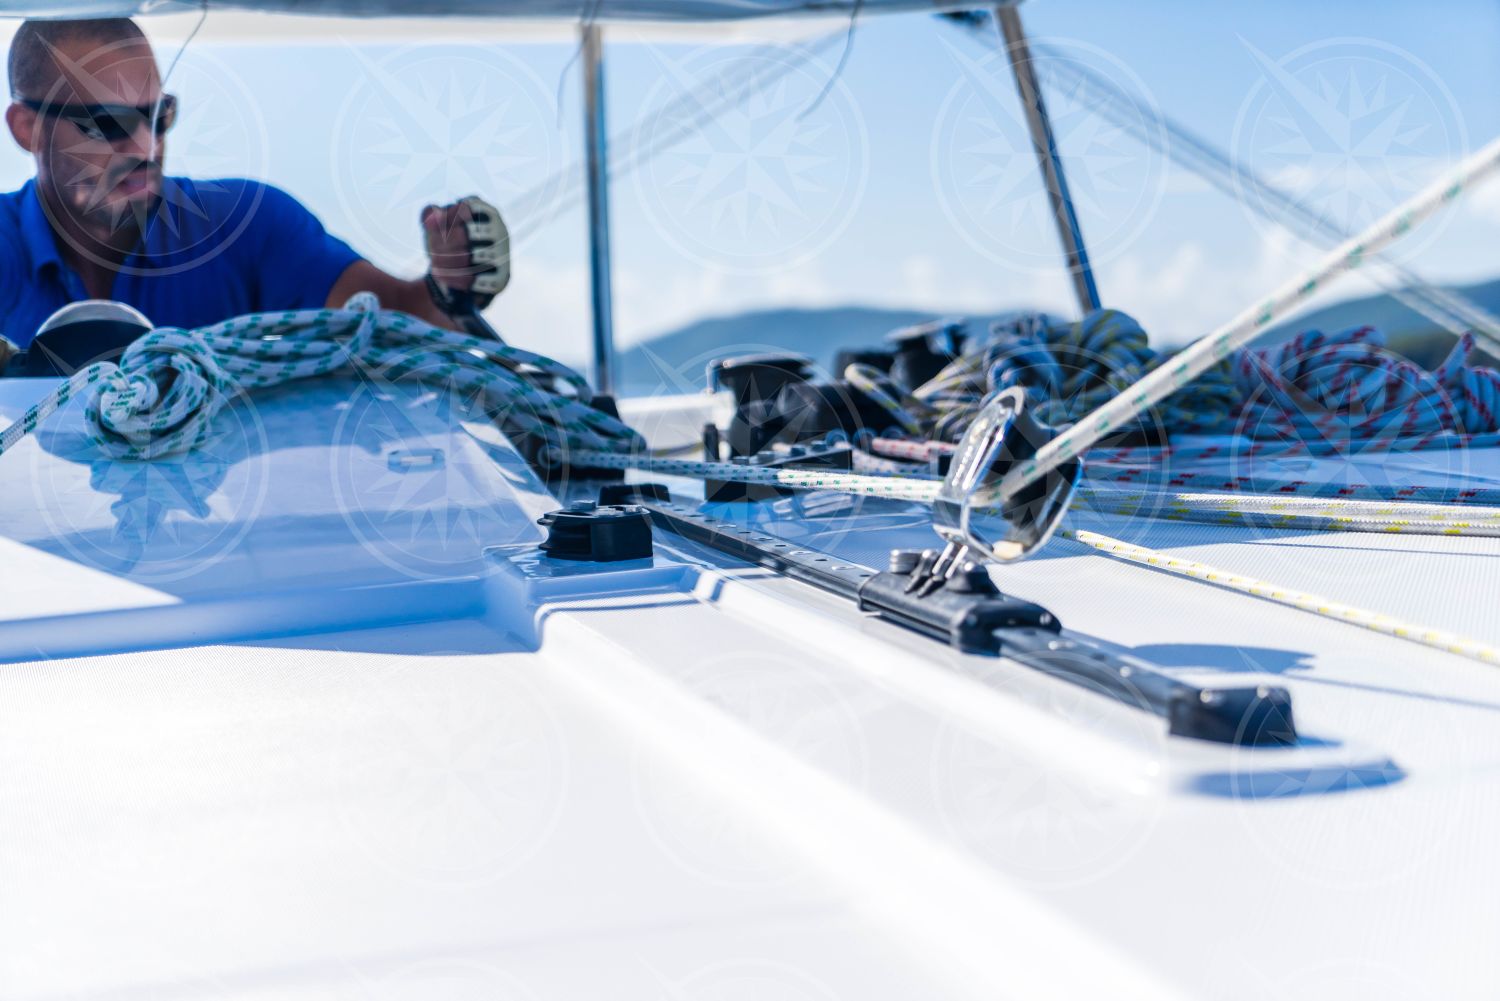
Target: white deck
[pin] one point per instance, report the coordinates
(384, 752)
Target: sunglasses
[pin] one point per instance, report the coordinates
(111, 123)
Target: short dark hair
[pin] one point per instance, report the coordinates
(33, 69)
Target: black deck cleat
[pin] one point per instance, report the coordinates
(589, 533)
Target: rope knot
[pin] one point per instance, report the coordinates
(170, 384)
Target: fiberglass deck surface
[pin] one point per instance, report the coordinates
(391, 755)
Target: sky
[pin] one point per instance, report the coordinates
(905, 180)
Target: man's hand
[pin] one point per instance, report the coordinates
(8, 350)
(468, 247)
(447, 232)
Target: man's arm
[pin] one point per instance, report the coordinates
(448, 249)
(399, 294)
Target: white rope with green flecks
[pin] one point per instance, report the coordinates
(1220, 344)
(1343, 515)
(169, 385)
(1323, 514)
(162, 397)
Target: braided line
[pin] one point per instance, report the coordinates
(162, 397)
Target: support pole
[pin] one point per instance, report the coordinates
(597, 143)
(1045, 143)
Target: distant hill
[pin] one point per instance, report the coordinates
(1406, 330)
(676, 361)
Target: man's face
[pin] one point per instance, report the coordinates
(101, 179)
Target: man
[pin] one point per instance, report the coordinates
(101, 220)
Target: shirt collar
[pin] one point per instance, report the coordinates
(41, 243)
(36, 232)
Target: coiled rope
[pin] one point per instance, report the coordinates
(1315, 395)
(1067, 370)
(1213, 348)
(162, 397)
(1326, 390)
(169, 385)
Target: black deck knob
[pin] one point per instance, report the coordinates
(589, 533)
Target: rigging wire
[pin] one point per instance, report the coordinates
(838, 70)
(588, 17)
(1295, 513)
(900, 488)
(688, 110)
(888, 483)
(132, 415)
(1450, 310)
(156, 138)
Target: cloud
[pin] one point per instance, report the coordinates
(1185, 182)
(1484, 201)
(1197, 289)
(546, 309)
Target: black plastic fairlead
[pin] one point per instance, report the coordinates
(966, 618)
(589, 533)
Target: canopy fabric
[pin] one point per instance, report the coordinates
(602, 10)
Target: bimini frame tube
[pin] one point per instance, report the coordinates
(600, 263)
(1045, 144)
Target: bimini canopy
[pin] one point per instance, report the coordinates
(601, 10)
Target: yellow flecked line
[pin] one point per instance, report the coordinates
(1377, 622)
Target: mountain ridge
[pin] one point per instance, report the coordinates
(677, 361)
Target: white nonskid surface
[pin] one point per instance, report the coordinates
(280, 822)
(727, 787)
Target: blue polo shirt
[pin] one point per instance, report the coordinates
(210, 250)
